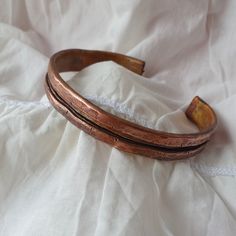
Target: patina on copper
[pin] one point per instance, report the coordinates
(120, 133)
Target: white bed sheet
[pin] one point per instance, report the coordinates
(57, 180)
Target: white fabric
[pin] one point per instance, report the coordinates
(57, 180)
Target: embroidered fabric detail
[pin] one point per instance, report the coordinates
(121, 109)
(24, 103)
(213, 171)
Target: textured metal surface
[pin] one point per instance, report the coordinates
(111, 129)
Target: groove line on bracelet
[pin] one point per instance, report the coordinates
(77, 114)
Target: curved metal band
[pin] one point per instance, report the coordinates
(66, 99)
(116, 141)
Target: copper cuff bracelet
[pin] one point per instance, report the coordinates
(120, 133)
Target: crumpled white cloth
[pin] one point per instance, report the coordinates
(57, 180)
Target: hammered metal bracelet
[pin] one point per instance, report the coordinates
(120, 133)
